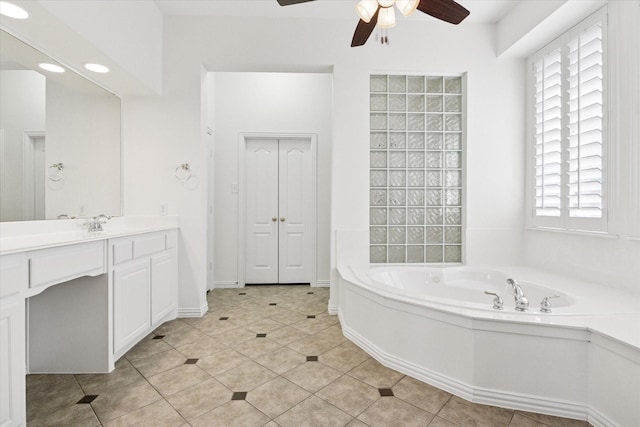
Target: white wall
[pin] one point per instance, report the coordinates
(163, 132)
(268, 103)
(22, 108)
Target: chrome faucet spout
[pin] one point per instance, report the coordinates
(522, 303)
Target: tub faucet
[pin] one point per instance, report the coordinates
(522, 303)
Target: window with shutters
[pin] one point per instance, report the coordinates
(569, 161)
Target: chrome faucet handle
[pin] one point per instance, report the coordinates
(545, 304)
(498, 304)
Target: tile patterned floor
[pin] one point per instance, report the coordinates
(262, 356)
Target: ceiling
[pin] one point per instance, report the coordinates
(482, 11)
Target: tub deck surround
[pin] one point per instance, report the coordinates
(555, 363)
(86, 298)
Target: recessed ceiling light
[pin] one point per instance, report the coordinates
(96, 68)
(51, 67)
(12, 11)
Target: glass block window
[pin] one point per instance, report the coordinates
(416, 168)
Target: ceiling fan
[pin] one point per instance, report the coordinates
(382, 14)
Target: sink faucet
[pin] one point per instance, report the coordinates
(96, 224)
(522, 303)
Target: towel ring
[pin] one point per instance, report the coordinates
(56, 172)
(183, 172)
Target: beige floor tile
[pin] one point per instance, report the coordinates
(376, 375)
(234, 413)
(147, 347)
(357, 423)
(465, 413)
(311, 346)
(118, 402)
(332, 333)
(552, 421)
(246, 377)
(183, 337)
(353, 347)
(62, 393)
(287, 317)
(177, 379)
(271, 424)
(244, 317)
(311, 326)
(312, 376)
(256, 347)
(343, 359)
(201, 348)
(313, 412)
(281, 360)
(264, 326)
(222, 361)
(172, 327)
(214, 326)
(160, 362)
(422, 395)
(350, 395)
(200, 399)
(235, 336)
(123, 375)
(441, 422)
(69, 416)
(276, 396)
(287, 335)
(393, 412)
(44, 385)
(157, 414)
(519, 420)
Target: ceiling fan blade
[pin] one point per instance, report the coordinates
(446, 10)
(364, 30)
(290, 2)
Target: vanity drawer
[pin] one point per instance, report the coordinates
(122, 252)
(57, 265)
(14, 274)
(148, 245)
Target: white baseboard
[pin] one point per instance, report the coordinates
(226, 284)
(332, 309)
(322, 284)
(479, 395)
(193, 312)
(598, 419)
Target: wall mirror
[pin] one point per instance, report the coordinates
(60, 140)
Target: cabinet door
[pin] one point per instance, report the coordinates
(12, 367)
(131, 302)
(164, 285)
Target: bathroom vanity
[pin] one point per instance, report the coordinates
(74, 302)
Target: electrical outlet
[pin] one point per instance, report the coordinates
(164, 208)
(82, 211)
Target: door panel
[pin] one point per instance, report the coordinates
(295, 201)
(262, 206)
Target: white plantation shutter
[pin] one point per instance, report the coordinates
(548, 133)
(585, 82)
(569, 164)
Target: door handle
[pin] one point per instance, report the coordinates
(281, 219)
(274, 219)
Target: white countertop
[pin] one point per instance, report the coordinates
(33, 235)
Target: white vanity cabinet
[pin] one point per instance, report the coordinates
(145, 285)
(13, 281)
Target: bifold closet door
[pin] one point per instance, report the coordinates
(278, 211)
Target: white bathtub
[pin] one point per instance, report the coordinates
(461, 287)
(437, 324)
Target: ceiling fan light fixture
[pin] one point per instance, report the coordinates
(386, 3)
(387, 17)
(407, 7)
(366, 9)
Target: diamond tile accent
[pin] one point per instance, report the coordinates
(239, 395)
(384, 392)
(158, 337)
(88, 398)
(261, 335)
(191, 361)
(312, 358)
